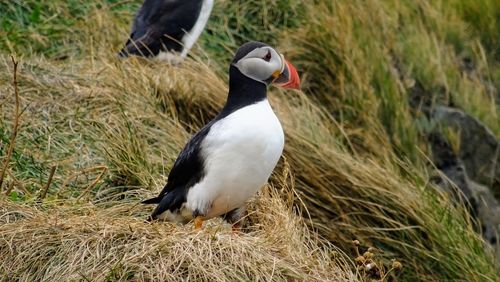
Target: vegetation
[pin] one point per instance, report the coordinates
(356, 163)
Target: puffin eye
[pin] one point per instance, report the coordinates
(268, 56)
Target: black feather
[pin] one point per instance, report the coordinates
(160, 25)
(154, 200)
(189, 168)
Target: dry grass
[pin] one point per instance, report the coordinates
(90, 242)
(357, 163)
(363, 61)
(101, 236)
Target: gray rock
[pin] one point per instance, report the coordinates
(480, 200)
(488, 211)
(479, 148)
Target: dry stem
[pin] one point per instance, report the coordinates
(46, 188)
(15, 126)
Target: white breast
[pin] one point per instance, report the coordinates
(190, 38)
(240, 153)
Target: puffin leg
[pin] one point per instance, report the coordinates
(198, 222)
(236, 227)
(235, 218)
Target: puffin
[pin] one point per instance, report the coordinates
(226, 162)
(163, 28)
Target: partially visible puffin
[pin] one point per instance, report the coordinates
(165, 26)
(232, 157)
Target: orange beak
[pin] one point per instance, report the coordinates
(290, 76)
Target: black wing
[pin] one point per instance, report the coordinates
(188, 169)
(161, 24)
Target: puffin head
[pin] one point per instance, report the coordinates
(264, 64)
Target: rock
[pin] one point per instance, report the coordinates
(487, 210)
(479, 148)
(481, 201)
(450, 165)
(488, 213)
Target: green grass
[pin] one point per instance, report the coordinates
(49, 27)
(355, 146)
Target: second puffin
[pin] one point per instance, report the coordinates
(232, 157)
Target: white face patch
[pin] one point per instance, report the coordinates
(260, 64)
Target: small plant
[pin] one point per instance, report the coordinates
(372, 267)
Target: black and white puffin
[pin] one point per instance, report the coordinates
(232, 157)
(165, 26)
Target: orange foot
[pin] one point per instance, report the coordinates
(236, 228)
(198, 223)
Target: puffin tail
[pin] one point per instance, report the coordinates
(155, 200)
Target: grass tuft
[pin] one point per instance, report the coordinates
(356, 164)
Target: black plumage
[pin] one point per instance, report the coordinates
(160, 26)
(188, 169)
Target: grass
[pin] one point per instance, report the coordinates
(355, 164)
(102, 243)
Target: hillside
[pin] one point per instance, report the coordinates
(393, 142)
